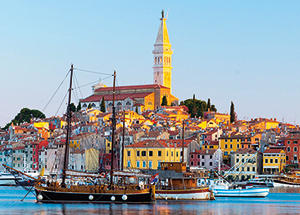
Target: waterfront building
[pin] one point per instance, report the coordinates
(291, 142)
(274, 160)
(208, 158)
(246, 162)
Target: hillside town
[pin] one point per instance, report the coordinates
(152, 137)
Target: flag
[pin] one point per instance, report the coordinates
(154, 179)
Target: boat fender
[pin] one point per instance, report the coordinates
(176, 197)
(40, 197)
(166, 198)
(91, 197)
(124, 197)
(113, 198)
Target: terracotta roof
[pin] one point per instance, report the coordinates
(160, 143)
(244, 151)
(204, 152)
(272, 151)
(97, 98)
(132, 87)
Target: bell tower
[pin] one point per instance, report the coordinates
(162, 68)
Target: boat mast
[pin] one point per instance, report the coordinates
(68, 130)
(123, 145)
(182, 141)
(113, 122)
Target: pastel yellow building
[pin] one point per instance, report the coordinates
(149, 154)
(230, 143)
(274, 160)
(92, 159)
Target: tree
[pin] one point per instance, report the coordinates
(164, 101)
(232, 113)
(213, 108)
(102, 105)
(89, 106)
(78, 107)
(25, 115)
(201, 106)
(194, 109)
(208, 105)
(73, 107)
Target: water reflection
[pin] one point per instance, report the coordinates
(280, 200)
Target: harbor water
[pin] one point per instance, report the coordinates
(283, 200)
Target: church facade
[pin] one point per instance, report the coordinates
(141, 97)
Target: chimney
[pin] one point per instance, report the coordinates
(275, 119)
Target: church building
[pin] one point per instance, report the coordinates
(142, 97)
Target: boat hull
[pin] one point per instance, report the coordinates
(189, 194)
(48, 196)
(254, 192)
(8, 181)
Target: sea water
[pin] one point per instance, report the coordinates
(279, 201)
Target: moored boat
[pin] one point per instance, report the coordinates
(181, 187)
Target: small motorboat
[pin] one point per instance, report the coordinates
(224, 189)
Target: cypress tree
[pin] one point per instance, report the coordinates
(102, 105)
(78, 107)
(208, 105)
(194, 108)
(89, 106)
(232, 113)
(164, 101)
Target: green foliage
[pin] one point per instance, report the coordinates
(181, 103)
(232, 113)
(79, 107)
(102, 105)
(73, 107)
(164, 101)
(25, 115)
(197, 107)
(89, 106)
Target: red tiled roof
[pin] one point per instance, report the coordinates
(132, 87)
(97, 98)
(272, 151)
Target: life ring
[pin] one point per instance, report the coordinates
(102, 174)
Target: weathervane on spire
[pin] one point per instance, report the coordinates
(162, 14)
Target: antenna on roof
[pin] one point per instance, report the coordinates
(167, 14)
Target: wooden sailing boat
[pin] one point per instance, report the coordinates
(181, 185)
(120, 187)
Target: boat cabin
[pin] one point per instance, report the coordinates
(176, 166)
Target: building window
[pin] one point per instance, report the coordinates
(226, 140)
(159, 153)
(167, 153)
(288, 149)
(230, 140)
(198, 163)
(198, 156)
(137, 153)
(210, 163)
(128, 153)
(295, 149)
(253, 169)
(237, 160)
(295, 142)
(202, 163)
(171, 154)
(192, 163)
(271, 160)
(210, 156)
(192, 156)
(144, 153)
(144, 164)
(238, 140)
(128, 163)
(202, 156)
(248, 169)
(150, 153)
(231, 146)
(276, 160)
(266, 160)
(150, 164)
(238, 145)
(225, 146)
(288, 142)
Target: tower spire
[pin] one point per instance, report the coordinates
(162, 68)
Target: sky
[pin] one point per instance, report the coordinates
(247, 52)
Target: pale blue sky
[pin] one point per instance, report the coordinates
(247, 52)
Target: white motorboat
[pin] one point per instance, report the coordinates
(261, 182)
(7, 179)
(224, 189)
